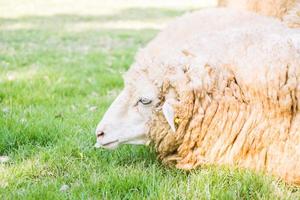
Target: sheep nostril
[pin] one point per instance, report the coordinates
(100, 134)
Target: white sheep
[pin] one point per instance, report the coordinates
(219, 87)
(286, 10)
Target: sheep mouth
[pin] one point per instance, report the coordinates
(109, 143)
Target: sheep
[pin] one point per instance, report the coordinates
(216, 87)
(286, 10)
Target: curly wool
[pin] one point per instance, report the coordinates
(286, 10)
(237, 90)
(236, 123)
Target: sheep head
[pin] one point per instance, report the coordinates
(149, 94)
(126, 120)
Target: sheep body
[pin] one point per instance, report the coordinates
(234, 77)
(286, 10)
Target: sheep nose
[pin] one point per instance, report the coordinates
(100, 134)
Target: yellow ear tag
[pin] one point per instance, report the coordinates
(176, 120)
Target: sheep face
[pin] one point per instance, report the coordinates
(126, 120)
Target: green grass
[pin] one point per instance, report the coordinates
(58, 75)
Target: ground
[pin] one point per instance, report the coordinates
(61, 65)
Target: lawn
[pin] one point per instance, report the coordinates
(61, 65)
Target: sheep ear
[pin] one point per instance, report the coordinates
(169, 115)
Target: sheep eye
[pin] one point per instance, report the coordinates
(145, 101)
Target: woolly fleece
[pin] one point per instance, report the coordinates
(234, 78)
